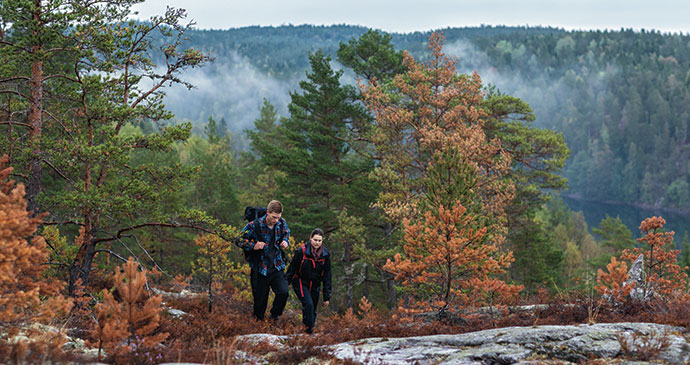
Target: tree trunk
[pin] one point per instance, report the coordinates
(389, 289)
(81, 267)
(35, 118)
(366, 281)
(210, 285)
(348, 275)
(389, 280)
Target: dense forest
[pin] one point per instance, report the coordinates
(434, 176)
(618, 97)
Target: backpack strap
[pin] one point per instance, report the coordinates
(313, 262)
(258, 235)
(255, 255)
(257, 230)
(304, 257)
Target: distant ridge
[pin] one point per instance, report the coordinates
(620, 98)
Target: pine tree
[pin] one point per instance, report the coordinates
(434, 117)
(612, 282)
(214, 262)
(372, 56)
(134, 318)
(663, 277)
(615, 237)
(25, 295)
(34, 33)
(94, 183)
(260, 181)
(448, 265)
(537, 155)
(434, 154)
(213, 189)
(318, 158)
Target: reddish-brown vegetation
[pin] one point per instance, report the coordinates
(25, 296)
(133, 327)
(129, 327)
(449, 265)
(663, 277)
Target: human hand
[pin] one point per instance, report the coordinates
(259, 246)
(325, 303)
(284, 244)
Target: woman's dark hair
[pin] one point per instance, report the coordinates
(315, 232)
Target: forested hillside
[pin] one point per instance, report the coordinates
(620, 98)
(433, 175)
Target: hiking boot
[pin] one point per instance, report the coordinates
(309, 330)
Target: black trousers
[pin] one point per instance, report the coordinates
(260, 287)
(309, 296)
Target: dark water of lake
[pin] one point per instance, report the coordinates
(631, 216)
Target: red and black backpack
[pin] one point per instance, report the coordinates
(313, 262)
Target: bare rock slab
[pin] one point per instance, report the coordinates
(511, 345)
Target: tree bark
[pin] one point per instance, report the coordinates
(35, 118)
(81, 267)
(348, 275)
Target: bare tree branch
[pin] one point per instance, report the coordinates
(58, 171)
(67, 130)
(62, 223)
(141, 267)
(111, 253)
(13, 92)
(13, 78)
(154, 224)
(16, 123)
(59, 76)
(155, 264)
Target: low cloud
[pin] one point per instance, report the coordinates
(230, 88)
(548, 96)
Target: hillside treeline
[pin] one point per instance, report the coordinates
(433, 187)
(620, 98)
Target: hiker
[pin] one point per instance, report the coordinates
(263, 240)
(311, 266)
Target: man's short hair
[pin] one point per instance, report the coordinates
(275, 207)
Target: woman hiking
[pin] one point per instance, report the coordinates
(310, 267)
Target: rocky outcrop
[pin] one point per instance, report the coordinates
(576, 343)
(636, 277)
(182, 294)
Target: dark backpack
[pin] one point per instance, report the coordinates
(298, 273)
(253, 214)
(254, 256)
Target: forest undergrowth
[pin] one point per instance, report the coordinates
(217, 337)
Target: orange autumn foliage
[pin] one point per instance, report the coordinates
(135, 318)
(22, 263)
(611, 283)
(25, 296)
(447, 264)
(663, 277)
(427, 112)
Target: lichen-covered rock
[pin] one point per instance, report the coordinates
(636, 275)
(176, 312)
(517, 344)
(260, 339)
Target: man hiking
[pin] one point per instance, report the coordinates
(263, 238)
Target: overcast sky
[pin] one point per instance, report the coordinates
(413, 15)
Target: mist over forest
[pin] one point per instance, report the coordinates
(620, 98)
(430, 163)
